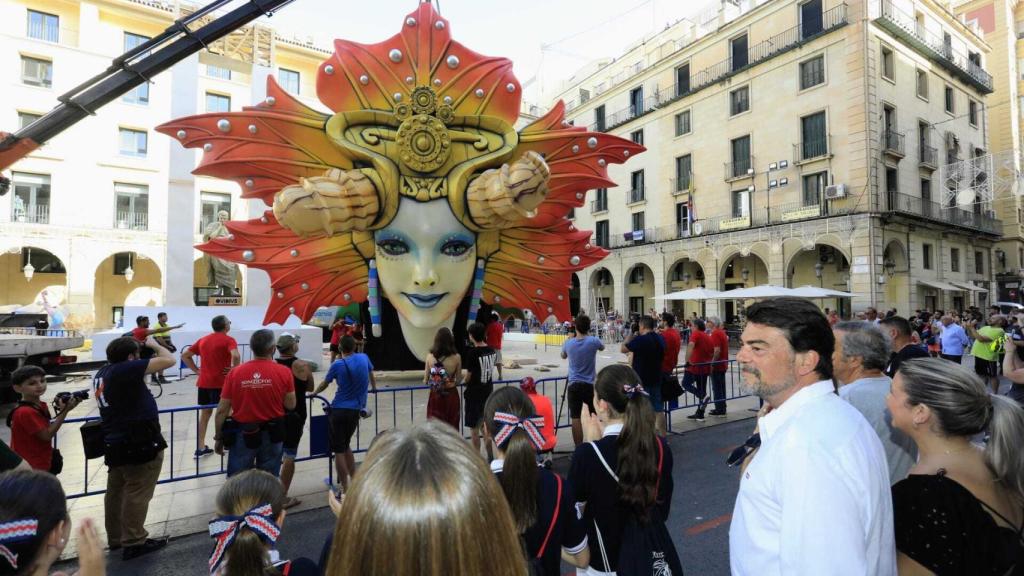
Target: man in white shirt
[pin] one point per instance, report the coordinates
(814, 498)
(862, 351)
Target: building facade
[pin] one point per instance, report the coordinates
(106, 214)
(1002, 21)
(817, 142)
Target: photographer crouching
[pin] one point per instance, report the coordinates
(133, 443)
(256, 394)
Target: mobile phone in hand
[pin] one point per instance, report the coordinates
(336, 489)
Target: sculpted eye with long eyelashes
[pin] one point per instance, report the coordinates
(456, 247)
(393, 246)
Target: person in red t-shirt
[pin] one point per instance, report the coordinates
(219, 353)
(495, 332)
(256, 394)
(339, 329)
(544, 409)
(673, 343)
(699, 353)
(31, 430)
(143, 331)
(720, 345)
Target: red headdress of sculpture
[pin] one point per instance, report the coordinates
(417, 116)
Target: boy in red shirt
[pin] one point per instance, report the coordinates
(219, 353)
(256, 394)
(32, 431)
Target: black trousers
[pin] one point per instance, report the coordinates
(952, 358)
(718, 390)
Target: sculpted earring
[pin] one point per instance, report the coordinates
(478, 289)
(374, 299)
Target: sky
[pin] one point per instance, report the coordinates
(574, 32)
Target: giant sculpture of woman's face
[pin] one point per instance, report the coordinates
(425, 261)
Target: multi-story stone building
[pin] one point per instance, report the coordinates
(1002, 21)
(107, 213)
(817, 142)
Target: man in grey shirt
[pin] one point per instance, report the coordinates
(861, 353)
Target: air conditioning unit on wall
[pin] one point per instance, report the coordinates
(835, 191)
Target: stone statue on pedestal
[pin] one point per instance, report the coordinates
(220, 273)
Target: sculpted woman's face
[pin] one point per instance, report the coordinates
(425, 261)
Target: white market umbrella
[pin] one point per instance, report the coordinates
(691, 294)
(763, 291)
(816, 292)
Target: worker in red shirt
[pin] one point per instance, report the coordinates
(699, 352)
(720, 345)
(542, 406)
(339, 329)
(256, 394)
(673, 343)
(32, 431)
(495, 332)
(219, 353)
(143, 331)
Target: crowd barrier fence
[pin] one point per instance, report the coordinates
(392, 408)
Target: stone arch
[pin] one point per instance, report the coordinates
(824, 266)
(114, 290)
(44, 283)
(898, 284)
(685, 273)
(602, 287)
(638, 288)
(574, 295)
(740, 269)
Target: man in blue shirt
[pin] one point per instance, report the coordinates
(648, 350)
(953, 339)
(354, 374)
(582, 353)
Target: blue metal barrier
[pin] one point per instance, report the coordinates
(402, 413)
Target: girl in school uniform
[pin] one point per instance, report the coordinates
(622, 469)
(542, 503)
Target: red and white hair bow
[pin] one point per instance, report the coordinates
(634, 390)
(224, 529)
(15, 531)
(510, 423)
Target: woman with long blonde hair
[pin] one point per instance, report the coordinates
(424, 503)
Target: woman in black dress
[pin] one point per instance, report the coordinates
(961, 509)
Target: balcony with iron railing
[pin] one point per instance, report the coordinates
(626, 114)
(681, 185)
(599, 205)
(784, 41)
(738, 169)
(31, 214)
(984, 221)
(131, 221)
(932, 46)
(894, 143)
(812, 149)
(636, 195)
(929, 157)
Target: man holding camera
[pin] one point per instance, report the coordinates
(133, 443)
(256, 394)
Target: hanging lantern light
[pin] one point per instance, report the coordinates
(29, 270)
(128, 272)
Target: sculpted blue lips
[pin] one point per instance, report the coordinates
(424, 300)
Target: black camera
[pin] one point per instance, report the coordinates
(64, 397)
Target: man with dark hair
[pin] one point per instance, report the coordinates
(581, 350)
(700, 351)
(988, 342)
(673, 342)
(163, 338)
(720, 362)
(648, 349)
(478, 360)
(903, 347)
(133, 442)
(295, 420)
(862, 350)
(219, 353)
(256, 394)
(814, 497)
(143, 331)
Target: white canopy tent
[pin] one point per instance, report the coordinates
(763, 291)
(691, 294)
(816, 292)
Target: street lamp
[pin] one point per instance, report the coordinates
(817, 271)
(29, 270)
(745, 274)
(890, 267)
(128, 272)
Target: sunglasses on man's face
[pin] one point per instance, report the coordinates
(743, 451)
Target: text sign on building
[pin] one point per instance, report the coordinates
(735, 223)
(802, 213)
(224, 301)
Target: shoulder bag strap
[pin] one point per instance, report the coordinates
(554, 517)
(603, 461)
(661, 458)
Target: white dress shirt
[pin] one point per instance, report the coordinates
(815, 499)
